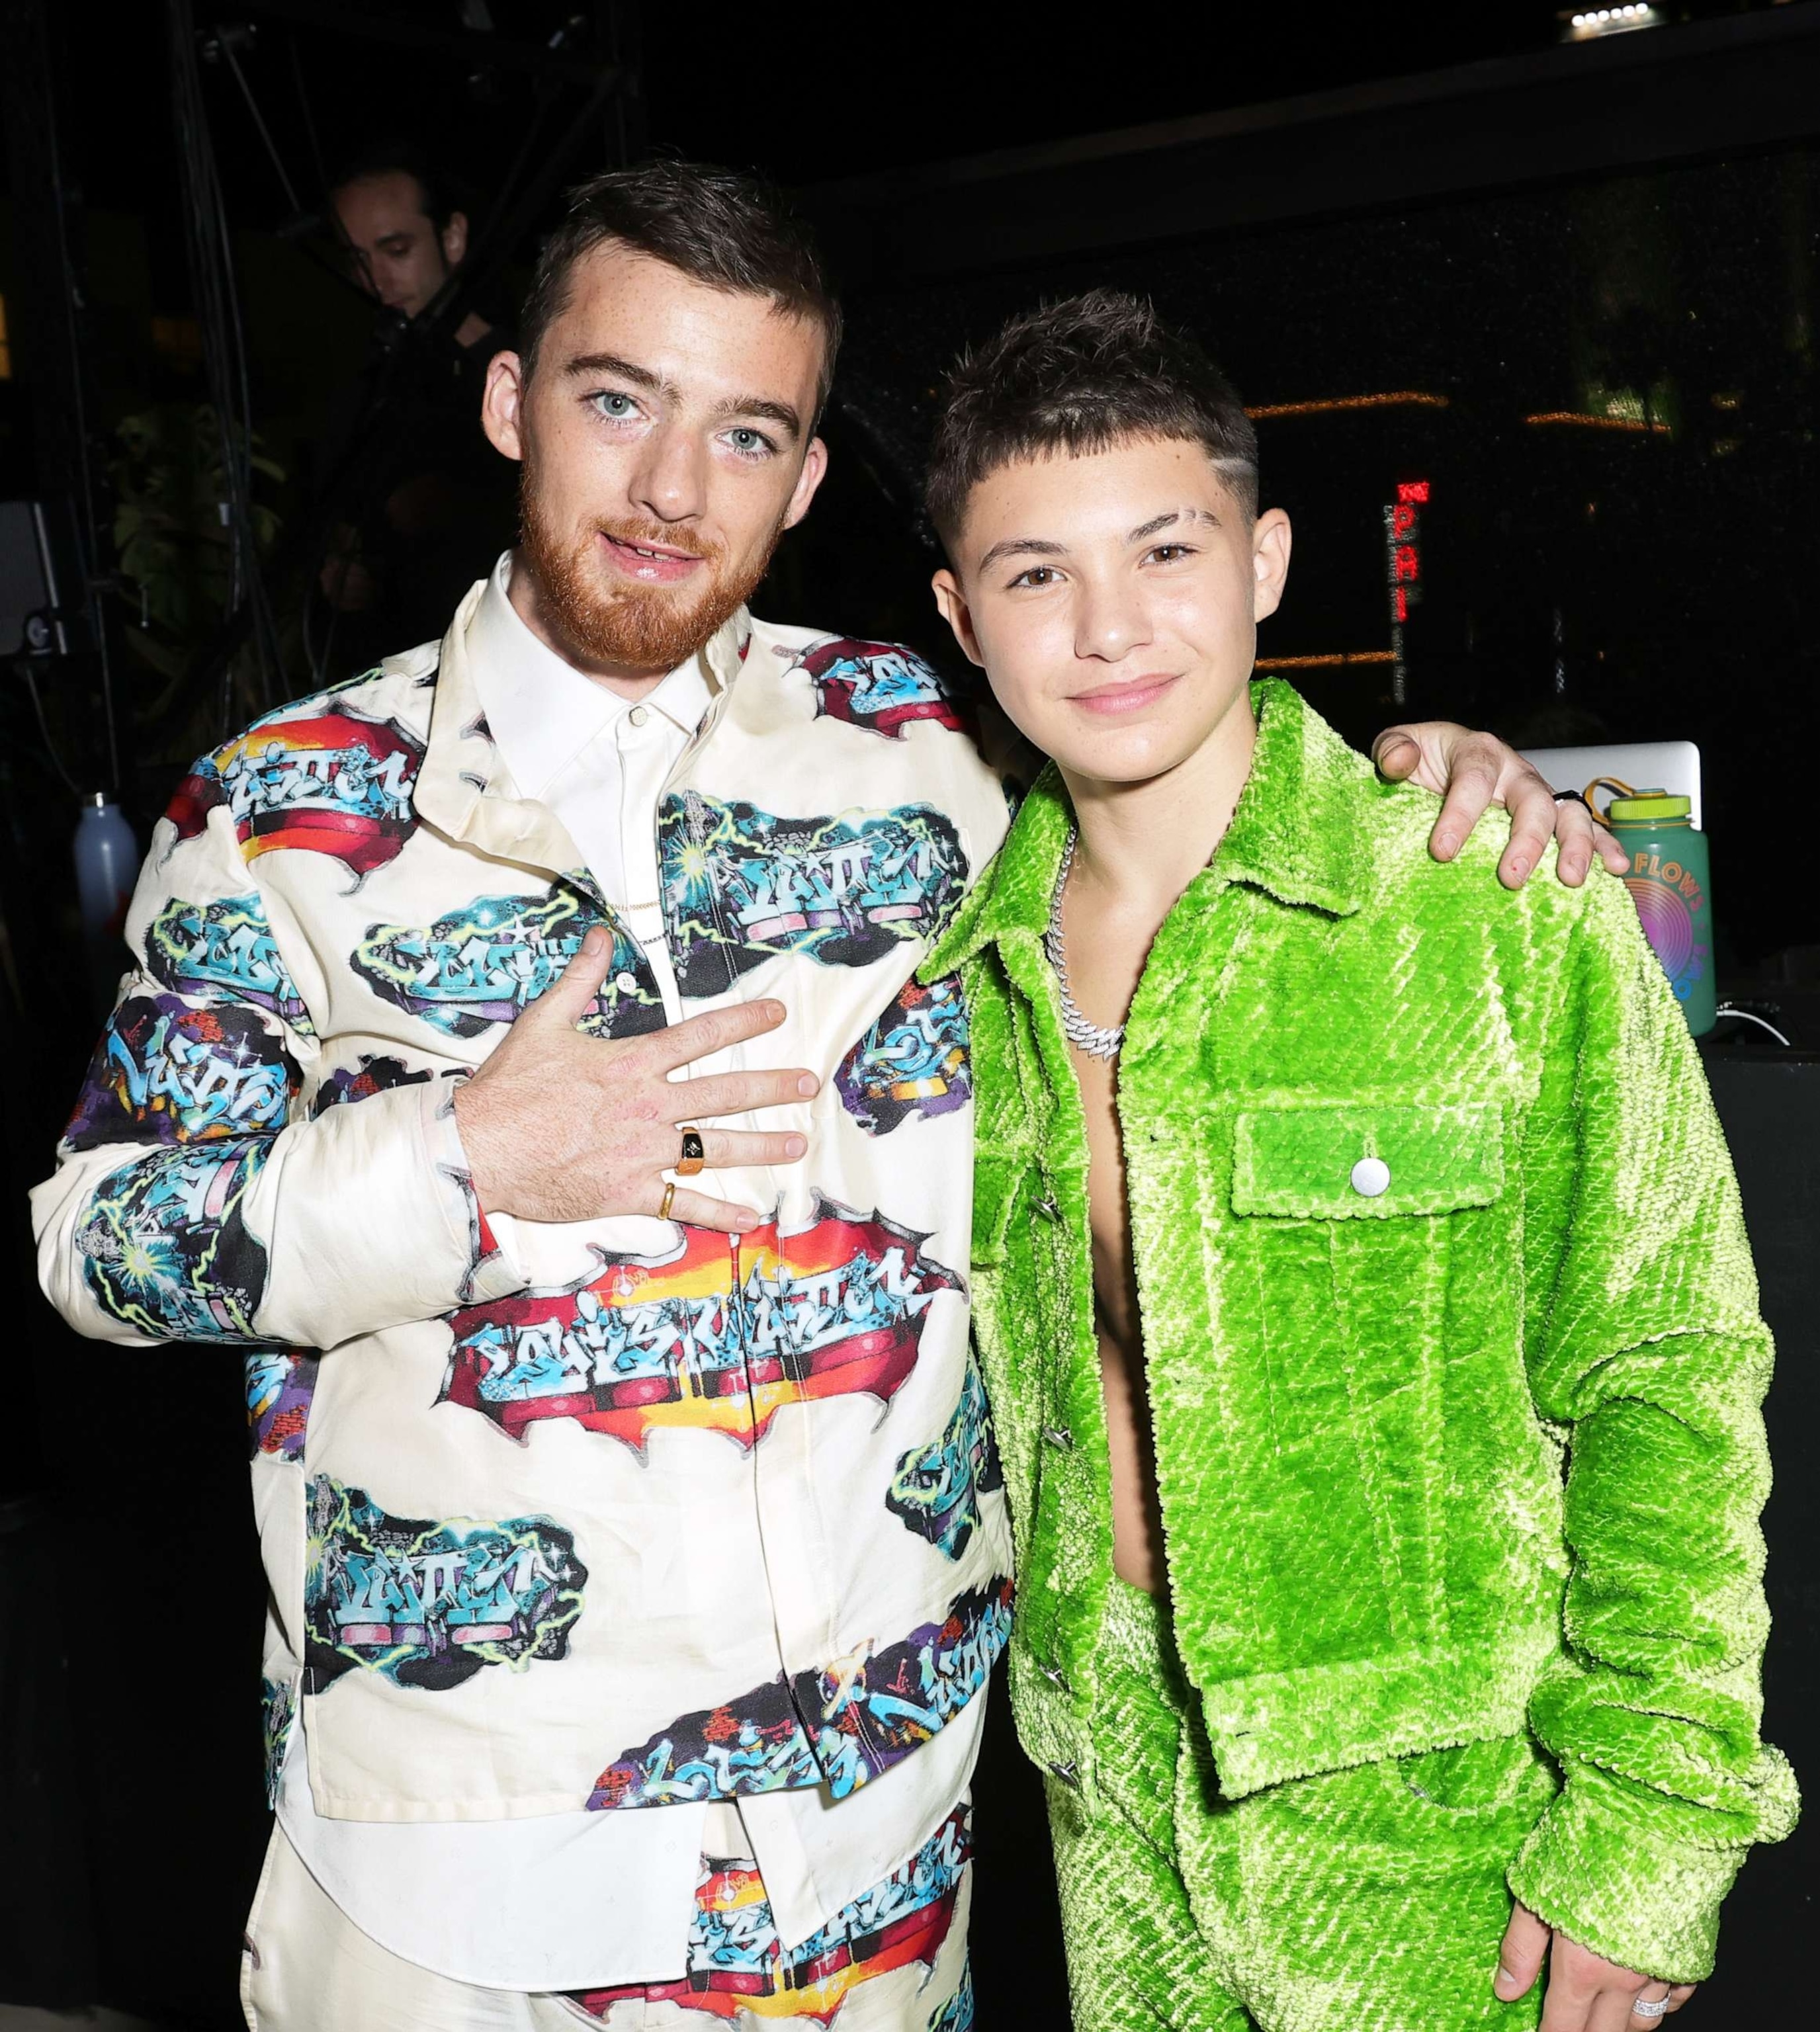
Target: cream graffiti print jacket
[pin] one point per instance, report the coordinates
(610, 1515)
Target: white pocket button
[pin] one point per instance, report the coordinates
(1370, 1177)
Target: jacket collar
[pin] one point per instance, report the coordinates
(1297, 834)
(464, 788)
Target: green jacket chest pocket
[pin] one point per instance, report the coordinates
(1350, 1227)
(1348, 1220)
(1366, 1163)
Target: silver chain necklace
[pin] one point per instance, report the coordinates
(1099, 1040)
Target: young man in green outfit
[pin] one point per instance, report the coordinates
(1362, 1292)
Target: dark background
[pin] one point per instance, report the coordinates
(1595, 264)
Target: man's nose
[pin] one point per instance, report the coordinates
(1110, 620)
(671, 479)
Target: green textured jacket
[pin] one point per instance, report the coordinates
(1483, 1448)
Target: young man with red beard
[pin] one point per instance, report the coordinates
(636, 1553)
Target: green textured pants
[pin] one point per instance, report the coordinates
(1371, 1899)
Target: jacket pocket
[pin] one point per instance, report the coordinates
(1346, 1163)
(1361, 1279)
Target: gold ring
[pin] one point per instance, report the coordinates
(668, 1200)
(694, 1152)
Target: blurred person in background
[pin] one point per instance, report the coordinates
(432, 503)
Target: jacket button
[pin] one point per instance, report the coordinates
(1057, 1678)
(1068, 1772)
(1047, 1209)
(1059, 1437)
(1370, 1177)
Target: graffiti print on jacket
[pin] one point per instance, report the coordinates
(912, 1061)
(225, 948)
(838, 1727)
(427, 1603)
(715, 1336)
(373, 1075)
(936, 1489)
(278, 1707)
(166, 1071)
(741, 884)
(738, 1967)
(165, 1246)
(880, 685)
(315, 776)
(957, 2014)
(481, 964)
(281, 1383)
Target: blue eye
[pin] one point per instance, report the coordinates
(750, 443)
(614, 404)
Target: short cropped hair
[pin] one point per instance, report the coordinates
(729, 231)
(1078, 377)
(397, 156)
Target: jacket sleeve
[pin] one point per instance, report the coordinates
(193, 1199)
(1646, 1350)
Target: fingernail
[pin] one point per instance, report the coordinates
(774, 1012)
(1519, 864)
(794, 1146)
(1503, 1983)
(594, 941)
(808, 1084)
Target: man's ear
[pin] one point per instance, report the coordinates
(502, 405)
(957, 613)
(814, 469)
(455, 239)
(1270, 546)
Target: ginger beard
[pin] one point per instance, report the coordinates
(612, 623)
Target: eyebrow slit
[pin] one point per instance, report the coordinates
(1161, 522)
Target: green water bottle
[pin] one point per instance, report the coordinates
(1668, 882)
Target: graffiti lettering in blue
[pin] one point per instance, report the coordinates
(481, 964)
(740, 885)
(936, 1489)
(224, 949)
(428, 1604)
(839, 1726)
(281, 1384)
(879, 686)
(165, 1248)
(957, 2014)
(738, 1965)
(317, 776)
(912, 1061)
(277, 1704)
(166, 1071)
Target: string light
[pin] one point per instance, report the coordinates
(1581, 420)
(1402, 398)
(1612, 20)
(1323, 663)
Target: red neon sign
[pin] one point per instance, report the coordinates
(1412, 491)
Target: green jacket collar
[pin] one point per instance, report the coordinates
(1297, 834)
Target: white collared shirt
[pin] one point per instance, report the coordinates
(581, 1899)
